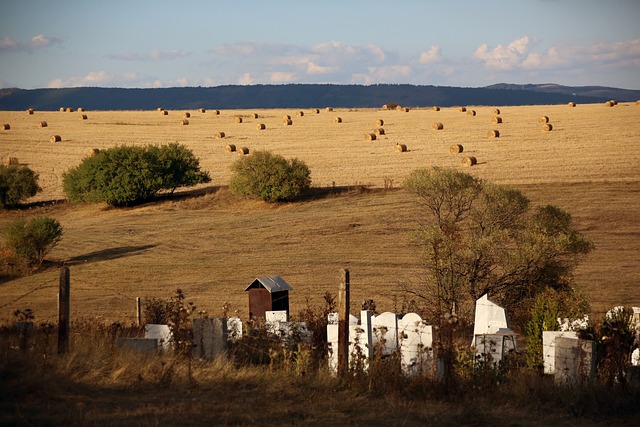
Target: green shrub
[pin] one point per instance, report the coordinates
(17, 183)
(126, 175)
(269, 176)
(32, 240)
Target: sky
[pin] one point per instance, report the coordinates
(466, 43)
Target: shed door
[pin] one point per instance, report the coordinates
(259, 302)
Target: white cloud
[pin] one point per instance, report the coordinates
(246, 79)
(154, 55)
(282, 77)
(40, 41)
(313, 68)
(104, 79)
(503, 57)
(431, 56)
(8, 44)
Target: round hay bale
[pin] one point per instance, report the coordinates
(164, 112)
(462, 109)
(220, 135)
(493, 134)
(261, 126)
(329, 109)
(6, 126)
(337, 120)
(496, 111)
(216, 112)
(83, 117)
(456, 148)
(401, 148)
(571, 104)
(609, 104)
(30, 111)
(69, 110)
(286, 117)
(399, 107)
(238, 119)
(202, 110)
(405, 109)
(10, 160)
(496, 120)
(370, 136)
(42, 125)
(638, 102)
(185, 122)
(255, 115)
(231, 148)
(379, 131)
(436, 108)
(614, 102)
(186, 115)
(300, 113)
(242, 151)
(55, 138)
(379, 122)
(80, 110)
(62, 109)
(547, 127)
(159, 109)
(316, 110)
(543, 119)
(287, 122)
(92, 151)
(469, 161)
(437, 126)
(471, 113)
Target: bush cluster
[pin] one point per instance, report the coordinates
(32, 240)
(17, 183)
(269, 176)
(128, 175)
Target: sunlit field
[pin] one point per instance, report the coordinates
(212, 244)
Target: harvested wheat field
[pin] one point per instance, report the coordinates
(212, 244)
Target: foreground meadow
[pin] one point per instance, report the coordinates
(212, 244)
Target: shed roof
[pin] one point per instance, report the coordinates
(270, 283)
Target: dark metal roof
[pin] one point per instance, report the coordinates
(270, 283)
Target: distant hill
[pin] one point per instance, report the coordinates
(304, 96)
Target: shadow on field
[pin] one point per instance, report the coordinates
(107, 254)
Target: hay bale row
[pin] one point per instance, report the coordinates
(42, 125)
(401, 148)
(10, 160)
(379, 122)
(337, 120)
(221, 135)
(493, 134)
(471, 113)
(66, 110)
(261, 126)
(55, 138)
(496, 120)
(379, 131)
(456, 148)
(370, 136)
(6, 126)
(547, 127)
(242, 151)
(469, 161)
(231, 148)
(543, 119)
(437, 126)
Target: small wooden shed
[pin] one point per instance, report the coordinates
(269, 293)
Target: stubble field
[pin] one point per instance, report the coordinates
(212, 244)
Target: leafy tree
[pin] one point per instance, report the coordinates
(477, 238)
(128, 175)
(32, 240)
(269, 176)
(17, 183)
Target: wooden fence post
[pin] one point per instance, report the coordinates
(343, 324)
(63, 311)
(138, 312)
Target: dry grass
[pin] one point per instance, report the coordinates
(213, 245)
